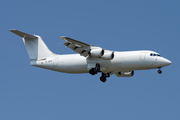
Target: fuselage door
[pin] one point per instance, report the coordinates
(142, 56)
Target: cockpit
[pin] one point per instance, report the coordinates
(153, 54)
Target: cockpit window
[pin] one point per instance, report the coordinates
(153, 54)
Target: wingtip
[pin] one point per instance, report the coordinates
(62, 37)
(12, 30)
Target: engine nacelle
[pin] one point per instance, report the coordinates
(108, 55)
(97, 52)
(125, 74)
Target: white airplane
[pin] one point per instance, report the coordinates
(91, 59)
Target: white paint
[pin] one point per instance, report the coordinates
(123, 62)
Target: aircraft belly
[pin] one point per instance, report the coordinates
(135, 65)
(72, 68)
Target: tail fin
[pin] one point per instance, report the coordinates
(35, 46)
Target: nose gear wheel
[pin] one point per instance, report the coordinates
(159, 71)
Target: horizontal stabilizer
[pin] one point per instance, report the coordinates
(23, 35)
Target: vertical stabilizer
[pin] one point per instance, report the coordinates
(35, 46)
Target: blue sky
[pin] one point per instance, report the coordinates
(28, 92)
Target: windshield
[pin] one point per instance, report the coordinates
(153, 54)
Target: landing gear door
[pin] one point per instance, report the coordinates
(142, 56)
(91, 65)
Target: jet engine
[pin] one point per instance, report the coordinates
(108, 55)
(97, 52)
(125, 74)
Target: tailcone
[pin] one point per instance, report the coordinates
(33, 63)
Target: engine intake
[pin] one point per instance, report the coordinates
(97, 52)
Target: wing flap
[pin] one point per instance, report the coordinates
(77, 46)
(78, 49)
(85, 53)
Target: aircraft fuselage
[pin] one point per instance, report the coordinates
(123, 61)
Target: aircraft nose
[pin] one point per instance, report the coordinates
(165, 62)
(168, 62)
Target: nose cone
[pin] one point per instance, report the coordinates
(165, 62)
(168, 62)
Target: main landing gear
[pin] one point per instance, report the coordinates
(159, 71)
(104, 76)
(95, 70)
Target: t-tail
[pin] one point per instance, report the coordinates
(35, 46)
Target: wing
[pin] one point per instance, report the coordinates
(77, 46)
(85, 49)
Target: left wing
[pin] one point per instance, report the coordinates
(77, 46)
(85, 49)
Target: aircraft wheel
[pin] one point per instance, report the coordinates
(107, 75)
(159, 71)
(103, 79)
(92, 71)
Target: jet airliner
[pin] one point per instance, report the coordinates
(90, 59)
